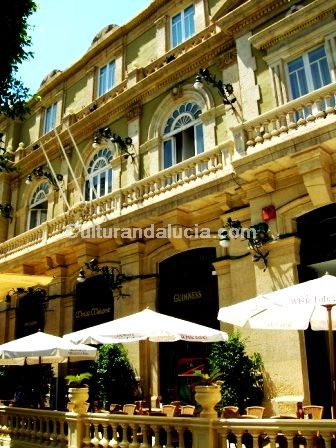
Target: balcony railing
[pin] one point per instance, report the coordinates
(287, 121)
(184, 176)
(36, 428)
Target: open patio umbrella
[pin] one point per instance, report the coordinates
(9, 281)
(146, 325)
(43, 348)
(292, 308)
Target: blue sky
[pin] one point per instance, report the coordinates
(62, 31)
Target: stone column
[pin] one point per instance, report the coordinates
(284, 352)
(161, 43)
(133, 130)
(248, 85)
(200, 15)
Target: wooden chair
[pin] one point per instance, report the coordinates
(187, 410)
(129, 409)
(230, 412)
(254, 412)
(315, 411)
(169, 410)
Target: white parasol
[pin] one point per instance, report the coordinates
(292, 308)
(150, 326)
(43, 348)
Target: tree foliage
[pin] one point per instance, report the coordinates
(16, 40)
(242, 375)
(114, 379)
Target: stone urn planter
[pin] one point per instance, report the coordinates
(78, 392)
(78, 397)
(208, 396)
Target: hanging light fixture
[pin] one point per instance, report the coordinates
(43, 172)
(225, 90)
(106, 135)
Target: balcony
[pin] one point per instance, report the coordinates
(36, 428)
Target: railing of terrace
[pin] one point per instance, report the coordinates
(184, 176)
(24, 428)
(311, 110)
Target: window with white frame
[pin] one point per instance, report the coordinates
(99, 180)
(50, 118)
(183, 134)
(38, 206)
(183, 26)
(308, 72)
(106, 78)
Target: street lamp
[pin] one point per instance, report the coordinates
(225, 90)
(43, 172)
(108, 136)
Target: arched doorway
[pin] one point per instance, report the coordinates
(189, 291)
(317, 231)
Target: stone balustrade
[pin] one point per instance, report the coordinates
(36, 428)
(181, 177)
(287, 121)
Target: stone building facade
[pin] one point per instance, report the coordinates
(191, 162)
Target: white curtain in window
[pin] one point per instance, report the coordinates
(99, 175)
(38, 207)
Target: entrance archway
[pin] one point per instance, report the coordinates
(189, 291)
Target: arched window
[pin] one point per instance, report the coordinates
(183, 134)
(38, 206)
(99, 180)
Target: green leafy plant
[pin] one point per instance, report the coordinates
(242, 375)
(79, 380)
(114, 379)
(209, 379)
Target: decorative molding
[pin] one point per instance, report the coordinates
(291, 25)
(134, 111)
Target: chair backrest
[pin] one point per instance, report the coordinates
(169, 410)
(315, 411)
(188, 409)
(257, 411)
(114, 407)
(230, 411)
(129, 409)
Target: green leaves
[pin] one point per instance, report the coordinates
(242, 375)
(14, 31)
(79, 380)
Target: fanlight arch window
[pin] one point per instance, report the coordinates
(38, 207)
(183, 134)
(99, 180)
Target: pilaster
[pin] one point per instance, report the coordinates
(161, 36)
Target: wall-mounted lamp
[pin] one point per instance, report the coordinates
(225, 90)
(256, 235)
(108, 136)
(39, 294)
(43, 172)
(6, 211)
(111, 274)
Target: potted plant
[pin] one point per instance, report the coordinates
(78, 392)
(208, 392)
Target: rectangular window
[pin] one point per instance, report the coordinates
(167, 153)
(308, 72)
(183, 26)
(50, 118)
(106, 78)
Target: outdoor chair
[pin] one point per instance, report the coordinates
(187, 410)
(315, 411)
(129, 409)
(254, 412)
(169, 410)
(230, 412)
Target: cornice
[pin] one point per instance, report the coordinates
(302, 19)
(251, 14)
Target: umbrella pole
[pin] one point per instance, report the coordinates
(331, 360)
(149, 380)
